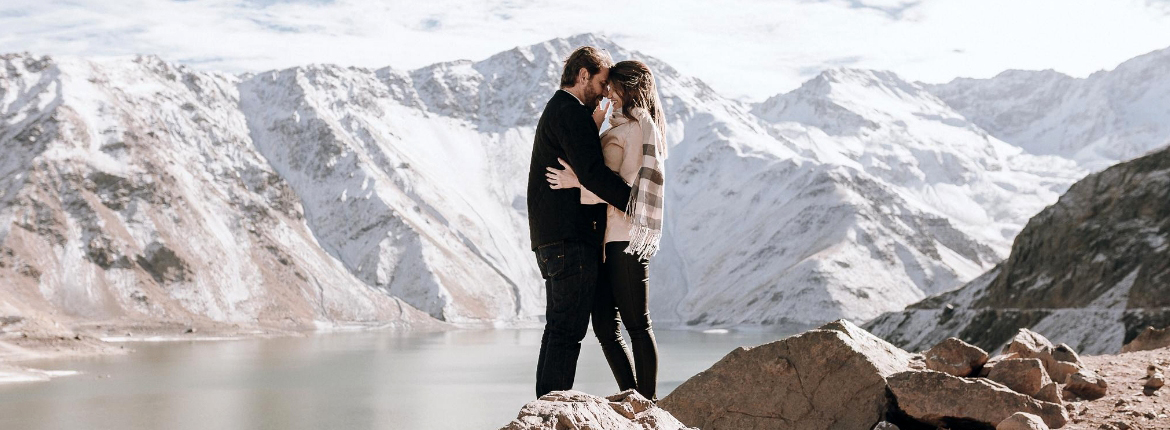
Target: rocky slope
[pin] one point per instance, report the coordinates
(165, 193)
(130, 191)
(1092, 271)
(840, 376)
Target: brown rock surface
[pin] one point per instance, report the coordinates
(1086, 384)
(1156, 381)
(1022, 421)
(1150, 338)
(574, 410)
(1029, 344)
(948, 401)
(1126, 401)
(955, 357)
(992, 362)
(831, 377)
(1061, 362)
(1023, 375)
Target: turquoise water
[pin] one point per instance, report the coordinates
(466, 379)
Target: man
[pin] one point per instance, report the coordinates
(566, 235)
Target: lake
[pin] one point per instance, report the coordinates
(462, 379)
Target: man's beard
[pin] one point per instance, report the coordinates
(591, 99)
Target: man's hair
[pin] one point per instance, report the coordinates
(591, 58)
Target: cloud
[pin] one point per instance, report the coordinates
(744, 48)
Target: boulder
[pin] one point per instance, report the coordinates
(1150, 338)
(830, 377)
(574, 410)
(1028, 344)
(1025, 376)
(1060, 370)
(1065, 353)
(991, 362)
(945, 400)
(1022, 421)
(1086, 385)
(955, 357)
(1050, 393)
(1060, 362)
(1156, 381)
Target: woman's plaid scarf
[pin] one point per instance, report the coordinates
(648, 191)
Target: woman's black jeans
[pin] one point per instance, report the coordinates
(621, 297)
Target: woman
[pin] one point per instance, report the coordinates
(635, 148)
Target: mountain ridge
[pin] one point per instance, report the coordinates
(411, 180)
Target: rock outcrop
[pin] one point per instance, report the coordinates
(830, 377)
(1026, 376)
(1150, 338)
(1092, 271)
(574, 410)
(946, 400)
(955, 357)
(1022, 421)
(840, 376)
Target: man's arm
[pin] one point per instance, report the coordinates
(583, 149)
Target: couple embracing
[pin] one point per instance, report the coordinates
(595, 205)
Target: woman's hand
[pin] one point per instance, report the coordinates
(599, 113)
(562, 179)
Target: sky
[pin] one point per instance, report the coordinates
(746, 49)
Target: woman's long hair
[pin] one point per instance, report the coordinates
(637, 90)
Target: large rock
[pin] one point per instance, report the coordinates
(1060, 362)
(1029, 344)
(574, 410)
(1025, 376)
(945, 400)
(955, 357)
(831, 377)
(1086, 384)
(1150, 338)
(992, 362)
(1022, 421)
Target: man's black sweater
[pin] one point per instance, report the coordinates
(566, 130)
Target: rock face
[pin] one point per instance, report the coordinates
(945, 400)
(1092, 271)
(1086, 384)
(1029, 344)
(1025, 376)
(955, 357)
(830, 377)
(1022, 421)
(1155, 381)
(574, 410)
(1150, 338)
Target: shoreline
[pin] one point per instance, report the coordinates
(27, 344)
(92, 339)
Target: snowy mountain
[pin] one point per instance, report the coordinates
(1110, 116)
(856, 194)
(1091, 271)
(130, 191)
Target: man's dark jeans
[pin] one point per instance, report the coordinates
(570, 271)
